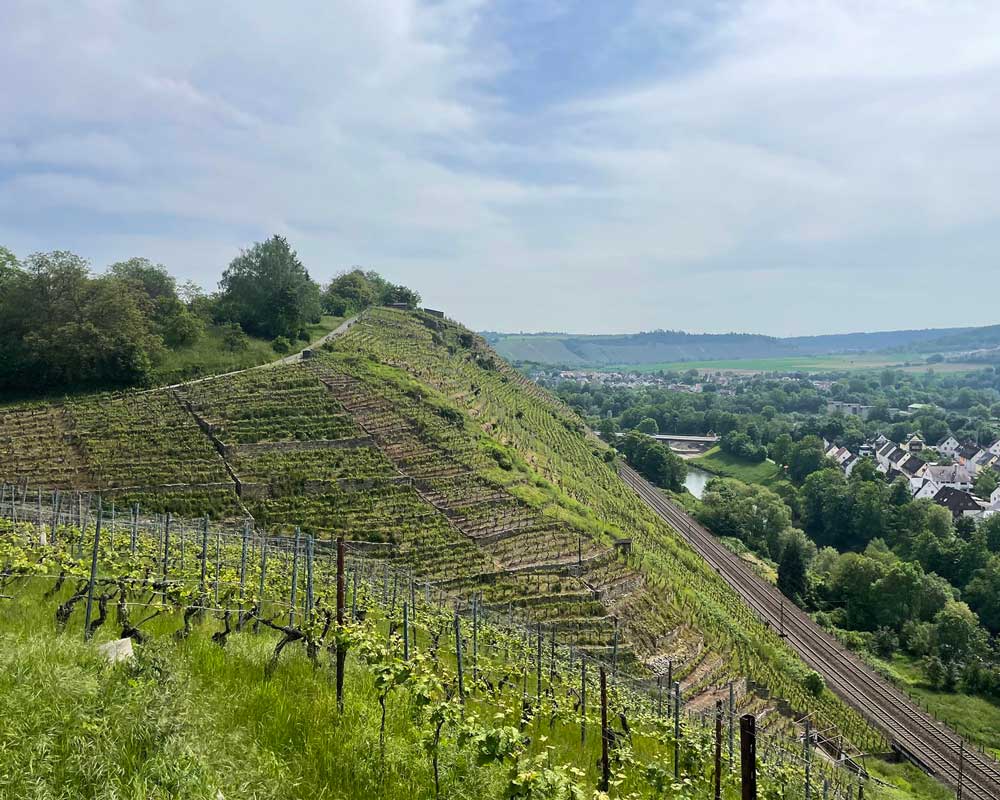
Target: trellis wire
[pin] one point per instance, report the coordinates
(170, 535)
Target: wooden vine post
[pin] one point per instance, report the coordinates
(605, 735)
(166, 552)
(475, 638)
(718, 750)
(202, 586)
(732, 712)
(341, 646)
(295, 577)
(260, 586)
(310, 545)
(583, 700)
(677, 730)
(243, 573)
(538, 666)
(807, 759)
(748, 756)
(406, 631)
(458, 658)
(93, 575)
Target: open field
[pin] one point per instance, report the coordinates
(766, 473)
(831, 363)
(976, 718)
(209, 355)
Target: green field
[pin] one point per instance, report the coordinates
(831, 363)
(974, 717)
(766, 473)
(209, 356)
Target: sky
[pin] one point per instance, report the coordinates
(769, 166)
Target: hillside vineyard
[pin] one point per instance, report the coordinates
(408, 432)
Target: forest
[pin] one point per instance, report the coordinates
(64, 327)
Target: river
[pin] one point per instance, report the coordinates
(696, 480)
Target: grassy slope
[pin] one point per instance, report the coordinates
(975, 718)
(189, 719)
(192, 720)
(766, 473)
(209, 357)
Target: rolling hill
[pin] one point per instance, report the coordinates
(408, 430)
(655, 347)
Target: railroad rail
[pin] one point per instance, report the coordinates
(913, 733)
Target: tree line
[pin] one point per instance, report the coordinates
(63, 326)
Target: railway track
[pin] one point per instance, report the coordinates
(915, 734)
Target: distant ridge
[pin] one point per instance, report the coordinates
(673, 346)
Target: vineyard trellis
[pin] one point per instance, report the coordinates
(357, 597)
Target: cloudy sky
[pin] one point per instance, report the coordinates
(782, 167)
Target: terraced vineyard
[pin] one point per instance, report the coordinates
(407, 432)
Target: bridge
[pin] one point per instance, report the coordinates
(679, 438)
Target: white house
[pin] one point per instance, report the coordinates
(948, 446)
(922, 488)
(953, 476)
(995, 499)
(995, 448)
(968, 452)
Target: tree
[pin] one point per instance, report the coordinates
(957, 634)
(853, 584)
(354, 291)
(781, 448)
(991, 529)
(9, 267)
(905, 593)
(986, 483)
(156, 291)
(805, 458)
(268, 291)
(983, 594)
(741, 445)
(654, 460)
(792, 571)
(608, 429)
(868, 519)
(753, 514)
(234, 339)
(61, 326)
(349, 293)
(648, 426)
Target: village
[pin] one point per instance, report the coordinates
(947, 478)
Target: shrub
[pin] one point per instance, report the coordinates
(234, 339)
(281, 345)
(813, 683)
(885, 642)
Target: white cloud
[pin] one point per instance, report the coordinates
(787, 146)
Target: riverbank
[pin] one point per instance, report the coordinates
(765, 473)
